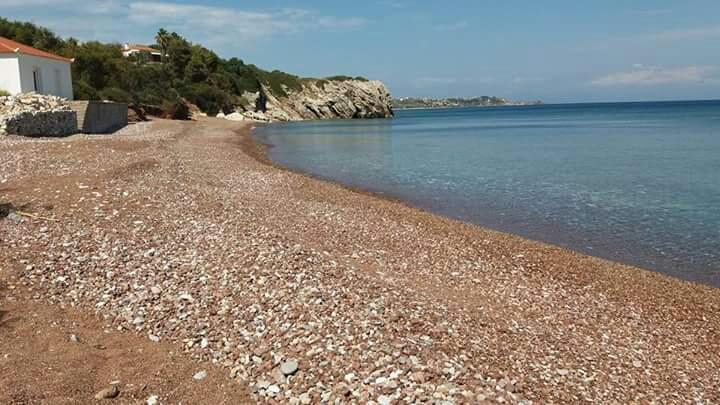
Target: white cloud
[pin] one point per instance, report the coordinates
(120, 20)
(9, 4)
(658, 75)
(434, 81)
(234, 24)
(709, 32)
(456, 26)
(655, 12)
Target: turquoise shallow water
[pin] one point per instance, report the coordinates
(633, 182)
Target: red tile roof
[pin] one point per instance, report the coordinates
(141, 48)
(10, 46)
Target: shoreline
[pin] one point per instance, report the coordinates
(260, 151)
(177, 231)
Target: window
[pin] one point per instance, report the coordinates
(58, 84)
(37, 80)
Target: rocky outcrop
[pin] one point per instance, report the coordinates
(318, 99)
(32, 114)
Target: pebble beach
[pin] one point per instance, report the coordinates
(266, 285)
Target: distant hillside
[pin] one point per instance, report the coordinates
(187, 71)
(484, 101)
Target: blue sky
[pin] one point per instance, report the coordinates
(557, 51)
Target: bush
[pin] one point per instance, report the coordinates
(208, 98)
(342, 78)
(84, 91)
(176, 110)
(4, 93)
(116, 94)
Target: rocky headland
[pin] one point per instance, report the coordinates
(317, 99)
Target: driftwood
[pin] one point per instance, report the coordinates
(33, 216)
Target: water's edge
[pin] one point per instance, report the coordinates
(260, 151)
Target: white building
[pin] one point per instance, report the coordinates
(24, 69)
(142, 53)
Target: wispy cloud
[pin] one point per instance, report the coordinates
(395, 4)
(434, 81)
(709, 32)
(454, 26)
(235, 23)
(654, 12)
(658, 75)
(213, 24)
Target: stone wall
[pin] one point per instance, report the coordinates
(100, 117)
(33, 114)
(40, 123)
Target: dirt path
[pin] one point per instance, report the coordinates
(301, 291)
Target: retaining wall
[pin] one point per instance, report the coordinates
(100, 117)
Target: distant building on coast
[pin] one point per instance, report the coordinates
(142, 53)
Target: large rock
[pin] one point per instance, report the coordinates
(32, 114)
(321, 99)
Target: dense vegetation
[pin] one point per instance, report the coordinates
(187, 70)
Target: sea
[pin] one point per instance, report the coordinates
(637, 183)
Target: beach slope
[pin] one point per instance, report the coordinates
(179, 236)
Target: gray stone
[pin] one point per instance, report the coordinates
(14, 218)
(200, 375)
(108, 393)
(289, 367)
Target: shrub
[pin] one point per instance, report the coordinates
(176, 110)
(342, 78)
(4, 93)
(84, 91)
(115, 94)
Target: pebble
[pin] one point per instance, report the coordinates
(384, 400)
(289, 367)
(108, 393)
(305, 398)
(233, 272)
(152, 400)
(200, 375)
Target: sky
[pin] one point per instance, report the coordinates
(555, 50)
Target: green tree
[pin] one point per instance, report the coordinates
(162, 40)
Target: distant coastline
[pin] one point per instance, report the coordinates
(406, 103)
(397, 108)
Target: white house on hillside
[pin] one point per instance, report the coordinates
(24, 69)
(142, 53)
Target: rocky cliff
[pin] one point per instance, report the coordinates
(318, 99)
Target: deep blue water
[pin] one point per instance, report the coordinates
(634, 182)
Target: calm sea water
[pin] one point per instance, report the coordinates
(634, 182)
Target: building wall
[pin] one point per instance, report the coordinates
(55, 76)
(100, 117)
(9, 74)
